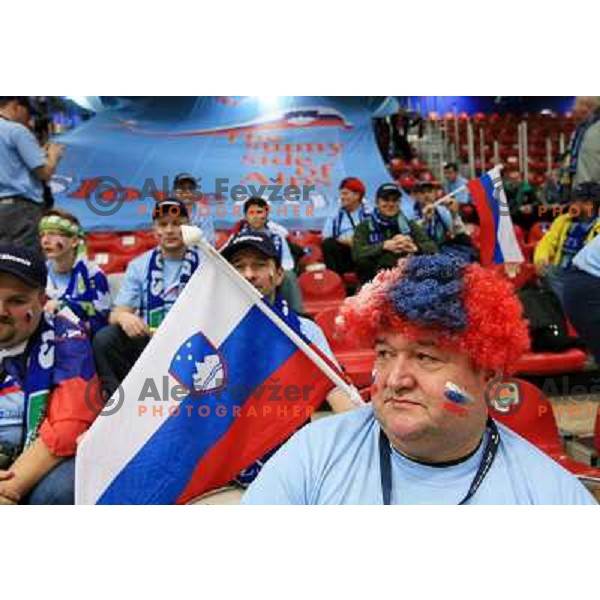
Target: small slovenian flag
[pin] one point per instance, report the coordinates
(221, 383)
(498, 242)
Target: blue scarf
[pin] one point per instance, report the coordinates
(435, 228)
(32, 373)
(281, 307)
(337, 224)
(380, 226)
(156, 286)
(83, 293)
(575, 241)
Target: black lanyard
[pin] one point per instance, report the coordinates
(385, 460)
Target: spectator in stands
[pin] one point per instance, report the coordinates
(387, 235)
(442, 332)
(74, 282)
(523, 201)
(583, 155)
(46, 370)
(24, 166)
(151, 285)
(254, 255)
(567, 235)
(550, 195)
(454, 182)
(582, 296)
(256, 218)
(185, 188)
(338, 231)
(442, 222)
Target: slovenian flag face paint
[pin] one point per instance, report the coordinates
(457, 399)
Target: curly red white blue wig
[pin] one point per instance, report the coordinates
(464, 307)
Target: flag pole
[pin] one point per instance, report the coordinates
(193, 236)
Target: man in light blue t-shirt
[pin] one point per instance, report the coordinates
(443, 332)
(338, 231)
(151, 285)
(23, 168)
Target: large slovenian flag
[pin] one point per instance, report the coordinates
(230, 355)
(498, 242)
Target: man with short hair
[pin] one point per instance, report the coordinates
(442, 223)
(185, 188)
(255, 257)
(47, 375)
(387, 235)
(24, 166)
(454, 182)
(151, 285)
(256, 218)
(443, 333)
(338, 231)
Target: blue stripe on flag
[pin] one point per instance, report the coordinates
(160, 471)
(488, 185)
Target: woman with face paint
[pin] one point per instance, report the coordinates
(76, 286)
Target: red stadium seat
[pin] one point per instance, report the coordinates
(112, 263)
(356, 361)
(538, 231)
(350, 279)
(549, 363)
(134, 242)
(221, 238)
(534, 420)
(321, 290)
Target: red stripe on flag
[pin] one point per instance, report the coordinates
(11, 389)
(262, 424)
(487, 225)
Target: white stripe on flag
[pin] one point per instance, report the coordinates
(506, 232)
(114, 440)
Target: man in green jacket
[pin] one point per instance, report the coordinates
(387, 235)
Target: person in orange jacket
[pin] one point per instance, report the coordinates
(47, 386)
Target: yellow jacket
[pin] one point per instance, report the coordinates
(550, 248)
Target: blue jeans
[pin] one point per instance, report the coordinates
(555, 278)
(57, 487)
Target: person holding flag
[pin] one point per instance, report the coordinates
(230, 375)
(151, 285)
(254, 256)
